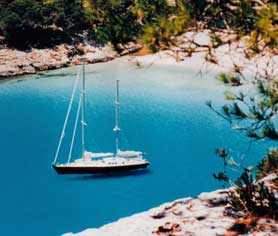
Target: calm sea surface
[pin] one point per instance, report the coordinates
(163, 113)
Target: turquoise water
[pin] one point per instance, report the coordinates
(163, 113)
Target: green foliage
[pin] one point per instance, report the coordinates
(222, 176)
(256, 19)
(256, 114)
(266, 27)
(256, 198)
(253, 197)
(155, 23)
(166, 22)
(40, 23)
(69, 15)
(151, 22)
(236, 15)
(19, 18)
(269, 164)
(216, 41)
(112, 20)
(231, 79)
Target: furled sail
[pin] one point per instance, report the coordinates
(128, 153)
(89, 155)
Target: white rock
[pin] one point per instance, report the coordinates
(144, 224)
(29, 70)
(6, 70)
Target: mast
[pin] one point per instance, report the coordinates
(117, 129)
(83, 121)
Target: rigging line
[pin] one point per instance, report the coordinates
(67, 117)
(75, 126)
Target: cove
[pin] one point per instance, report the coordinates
(163, 113)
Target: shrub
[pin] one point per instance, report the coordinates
(269, 164)
(26, 23)
(253, 197)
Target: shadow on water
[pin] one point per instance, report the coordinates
(48, 74)
(19, 79)
(121, 174)
(39, 75)
(14, 79)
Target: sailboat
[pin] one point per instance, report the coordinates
(90, 162)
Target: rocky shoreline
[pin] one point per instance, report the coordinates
(14, 62)
(209, 214)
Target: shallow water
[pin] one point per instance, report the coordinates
(163, 113)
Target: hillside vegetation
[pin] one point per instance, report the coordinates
(155, 23)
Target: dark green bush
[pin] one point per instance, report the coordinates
(269, 164)
(26, 23)
(253, 197)
(256, 198)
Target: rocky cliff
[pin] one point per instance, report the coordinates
(14, 62)
(209, 214)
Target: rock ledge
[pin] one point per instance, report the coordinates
(205, 215)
